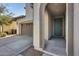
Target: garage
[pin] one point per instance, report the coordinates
(27, 29)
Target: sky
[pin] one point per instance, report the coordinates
(16, 8)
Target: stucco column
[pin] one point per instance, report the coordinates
(69, 29)
(20, 29)
(17, 29)
(36, 28)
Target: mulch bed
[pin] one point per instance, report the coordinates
(31, 52)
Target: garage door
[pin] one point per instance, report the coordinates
(27, 29)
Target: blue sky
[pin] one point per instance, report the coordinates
(16, 8)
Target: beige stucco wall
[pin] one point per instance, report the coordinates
(10, 27)
(40, 26)
(76, 29)
(36, 28)
(18, 30)
(45, 25)
(63, 26)
(69, 29)
(50, 28)
(29, 11)
(21, 21)
(24, 20)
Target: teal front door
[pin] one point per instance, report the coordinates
(58, 27)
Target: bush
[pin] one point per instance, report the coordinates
(2, 34)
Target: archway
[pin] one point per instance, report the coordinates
(54, 11)
(41, 37)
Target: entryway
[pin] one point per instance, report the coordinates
(57, 43)
(53, 28)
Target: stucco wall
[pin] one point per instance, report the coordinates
(63, 26)
(50, 28)
(69, 29)
(36, 28)
(24, 20)
(76, 29)
(29, 11)
(10, 27)
(45, 25)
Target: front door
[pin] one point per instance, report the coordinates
(58, 27)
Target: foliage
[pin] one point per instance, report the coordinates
(2, 34)
(2, 9)
(5, 11)
(5, 16)
(5, 20)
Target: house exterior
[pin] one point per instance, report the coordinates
(24, 26)
(53, 20)
(25, 23)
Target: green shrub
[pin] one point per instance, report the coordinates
(2, 34)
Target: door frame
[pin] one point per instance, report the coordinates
(61, 26)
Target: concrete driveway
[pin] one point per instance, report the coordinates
(14, 45)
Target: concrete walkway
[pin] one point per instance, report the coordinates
(14, 45)
(56, 46)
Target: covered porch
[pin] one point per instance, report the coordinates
(54, 33)
(56, 46)
(54, 29)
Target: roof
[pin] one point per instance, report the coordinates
(18, 17)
